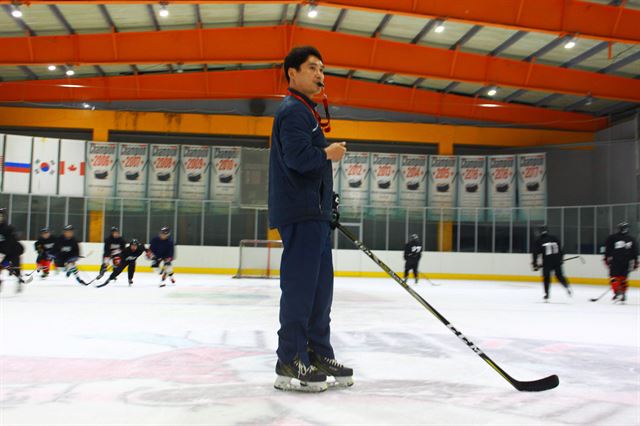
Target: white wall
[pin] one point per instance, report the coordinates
(224, 260)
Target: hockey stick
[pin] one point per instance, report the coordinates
(595, 299)
(528, 386)
(575, 257)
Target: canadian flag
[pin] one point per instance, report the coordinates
(72, 168)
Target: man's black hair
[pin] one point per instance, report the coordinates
(298, 56)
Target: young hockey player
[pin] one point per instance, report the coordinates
(550, 249)
(67, 253)
(161, 251)
(129, 256)
(10, 250)
(112, 254)
(44, 247)
(412, 255)
(620, 255)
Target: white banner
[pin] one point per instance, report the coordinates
(1, 158)
(194, 172)
(162, 172)
(442, 185)
(384, 179)
(354, 180)
(224, 175)
(501, 185)
(132, 170)
(472, 172)
(44, 166)
(101, 173)
(413, 180)
(532, 185)
(17, 164)
(71, 168)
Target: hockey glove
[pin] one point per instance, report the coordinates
(335, 214)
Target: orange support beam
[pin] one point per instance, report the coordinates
(270, 44)
(559, 17)
(236, 125)
(270, 83)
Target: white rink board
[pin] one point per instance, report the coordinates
(355, 262)
(203, 352)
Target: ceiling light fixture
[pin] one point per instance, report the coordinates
(15, 11)
(439, 27)
(164, 10)
(69, 72)
(313, 11)
(52, 68)
(571, 43)
(493, 90)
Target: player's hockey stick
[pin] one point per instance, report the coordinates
(528, 386)
(575, 257)
(595, 299)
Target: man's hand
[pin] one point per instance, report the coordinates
(336, 151)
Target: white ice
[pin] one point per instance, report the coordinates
(202, 353)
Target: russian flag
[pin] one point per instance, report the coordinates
(17, 167)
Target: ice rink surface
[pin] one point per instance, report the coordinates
(202, 353)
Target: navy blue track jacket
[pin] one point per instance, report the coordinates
(300, 175)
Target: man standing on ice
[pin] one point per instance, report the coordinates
(621, 255)
(301, 203)
(548, 246)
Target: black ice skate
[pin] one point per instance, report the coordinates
(295, 376)
(130, 283)
(546, 298)
(343, 375)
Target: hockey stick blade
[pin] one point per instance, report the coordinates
(536, 385)
(527, 386)
(595, 299)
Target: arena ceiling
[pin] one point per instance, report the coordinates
(527, 63)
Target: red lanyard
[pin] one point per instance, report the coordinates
(326, 124)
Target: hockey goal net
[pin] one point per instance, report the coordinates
(259, 259)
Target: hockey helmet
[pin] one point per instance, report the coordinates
(544, 230)
(45, 230)
(69, 228)
(165, 230)
(414, 237)
(115, 229)
(623, 227)
(134, 242)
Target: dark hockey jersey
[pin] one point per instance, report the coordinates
(66, 248)
(45, 245)
(113, 246)
(9, 244)
(413, 250)
(549, 248)
(620, 249)
(129, 255)
(162, 249)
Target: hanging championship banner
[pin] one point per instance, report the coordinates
(101, 162)
(1, 158)
(413, 180)
(532, 185)
(384, 179)
(132, 170)
(163, 162)
(442, 186)
(354, 181)
(501, 185)
(472, 171)
(44, 166)
(225, 164)
(71, 168)
(17, 164)
(194, 172)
